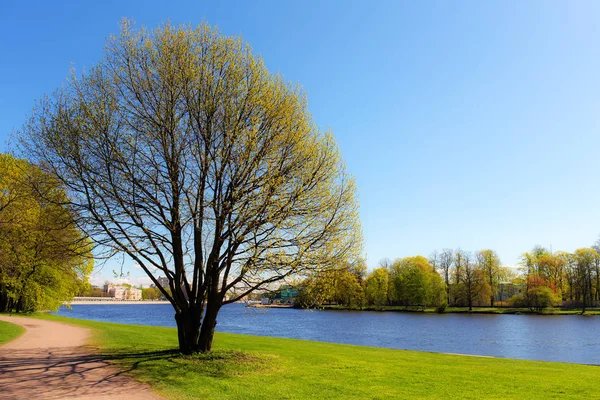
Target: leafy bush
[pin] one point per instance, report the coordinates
(541, 297)
(536, 298)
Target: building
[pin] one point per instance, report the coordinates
(123, 292)
(284, 295)
(506, 290)
(163, 281)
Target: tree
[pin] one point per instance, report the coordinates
(459, 260)
(416, 282)
(358, 268)
(489, 263)
(376, 290)
(150, 293)
(473, 285)
(551, 267)
(44, 259)
(340, 286)
(444, 264)
(539, 297)
(181, 150)
(584, 274)
(596, 248)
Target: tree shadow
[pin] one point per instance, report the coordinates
(65, 372)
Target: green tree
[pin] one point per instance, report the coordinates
(417, 282)
(596, 248)
(44, 258)
(376, 289)
(541, 297)
(444, 263)
(339, 286)
(150, 293)
(458, 264)
(473, 286)
(584, 274)
(489, 263)
(180, 149)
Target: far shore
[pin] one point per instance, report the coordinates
(428, 310)
(465, 310)
(115, 302)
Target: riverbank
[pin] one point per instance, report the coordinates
(114, 302)
(465, 310)
(253, 367)
(258, 305)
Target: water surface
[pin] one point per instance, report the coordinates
(566, 338)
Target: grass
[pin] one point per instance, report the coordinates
(475, 310)
(9, 331)
(253, 367)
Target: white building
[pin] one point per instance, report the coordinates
(121, 292)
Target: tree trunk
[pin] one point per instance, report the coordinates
(188, 329)
(447, 289)
(209, 323)
(4, 303)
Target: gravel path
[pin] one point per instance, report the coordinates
(51, 361)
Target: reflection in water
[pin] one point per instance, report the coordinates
(567, 338)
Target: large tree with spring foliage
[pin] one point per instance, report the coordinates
(180, 149)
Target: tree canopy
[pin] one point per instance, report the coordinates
(416, 282)
(44, 258)
(180, 149)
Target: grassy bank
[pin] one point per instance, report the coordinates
(475, 310)
(9, 331)
(253, 367)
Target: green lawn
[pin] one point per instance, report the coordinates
(9, 331)
(252, 367)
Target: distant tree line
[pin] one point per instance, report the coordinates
(410, 281)
(572, 279)
(459, 278)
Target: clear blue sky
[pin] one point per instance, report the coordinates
(467, 124)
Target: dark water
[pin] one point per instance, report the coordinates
(567, 338)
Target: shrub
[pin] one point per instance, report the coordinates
(441, 308)
(536, 298)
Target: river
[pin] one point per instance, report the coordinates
(566, 338)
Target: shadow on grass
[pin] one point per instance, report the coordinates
(60, 372)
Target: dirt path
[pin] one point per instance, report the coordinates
(50, 361)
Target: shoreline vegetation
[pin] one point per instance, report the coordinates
(114, 302)
(426, 310)
(465, 310)
(458, 281)
(254, 367)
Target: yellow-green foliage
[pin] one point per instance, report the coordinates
(416, 282)
(43, 256)
(339, 285)
(184, 130)
(377, 287)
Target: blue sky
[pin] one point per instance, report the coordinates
(466, 124)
